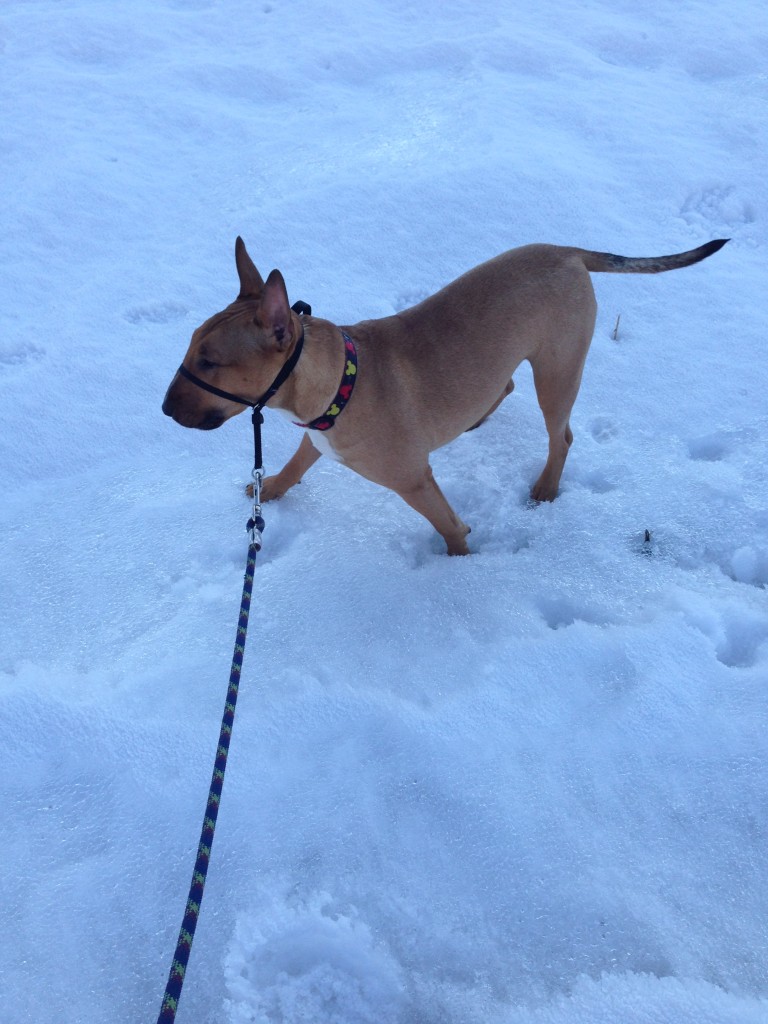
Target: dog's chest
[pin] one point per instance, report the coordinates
(319, 438)
(322, 443)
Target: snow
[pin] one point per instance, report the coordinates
(524, 787)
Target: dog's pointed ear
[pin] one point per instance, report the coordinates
(276, 310)
(251, 284)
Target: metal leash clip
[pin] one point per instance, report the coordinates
(256, 524)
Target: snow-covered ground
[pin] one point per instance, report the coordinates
(524, 787)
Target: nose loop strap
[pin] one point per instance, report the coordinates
(188, 375)
(285, 371)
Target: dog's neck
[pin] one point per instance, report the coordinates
(313, 384)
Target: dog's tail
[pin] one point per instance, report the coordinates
(607, 262)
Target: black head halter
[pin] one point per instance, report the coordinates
(257, 404)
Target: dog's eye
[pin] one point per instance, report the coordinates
(206, 364)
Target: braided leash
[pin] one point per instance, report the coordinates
(192, 912)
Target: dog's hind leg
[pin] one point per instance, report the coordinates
(427, 498)
(557, 383)
(272, 487)
(507, 391)
(560, 441)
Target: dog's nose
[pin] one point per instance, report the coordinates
(167, 407)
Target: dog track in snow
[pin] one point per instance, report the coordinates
(743, 564)
(594, 481)
(20, 355)
(563, 610)
(711, 447)
(748, 565)
(734, 551)
(311, 960)
(603, 429)
(719, 208)
(156, 313)
(738, 635)
(743, 636)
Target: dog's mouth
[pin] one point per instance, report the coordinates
(209, 421)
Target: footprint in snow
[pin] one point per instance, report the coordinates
(560, 611)
(603, 429)
(719, 208)
(711, 447)
(156, 313)
(19, 355)
(311, 960)
(749, 565)
(744, 637)
(595, 481)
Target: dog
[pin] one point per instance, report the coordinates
(380, 395)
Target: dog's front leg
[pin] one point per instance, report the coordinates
(426, 497)
(306, 455)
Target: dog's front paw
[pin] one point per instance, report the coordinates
(267, 493)
(272, 488)
(541, 492)
(458, 548)
(458, 545)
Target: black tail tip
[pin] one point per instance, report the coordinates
(707, 249)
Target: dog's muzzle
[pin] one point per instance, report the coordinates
(209, 420)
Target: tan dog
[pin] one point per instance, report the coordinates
(422, 377)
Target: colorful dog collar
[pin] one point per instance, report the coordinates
(328, 418)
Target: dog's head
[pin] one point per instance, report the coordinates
(239, 350)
